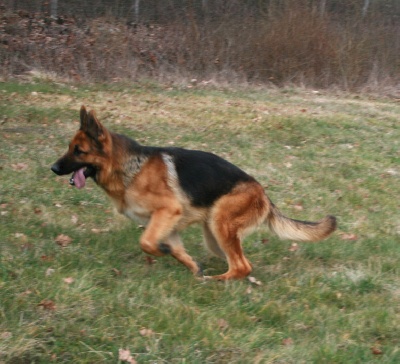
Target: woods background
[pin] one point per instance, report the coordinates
(347, 44)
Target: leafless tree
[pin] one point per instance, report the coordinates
(322, 7)
(136, 4)
(53, 8)
(365, 7)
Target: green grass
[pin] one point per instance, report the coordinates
(332, 302)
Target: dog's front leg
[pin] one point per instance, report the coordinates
(160, 239)
(160, 226)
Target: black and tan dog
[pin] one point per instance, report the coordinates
(168, 189)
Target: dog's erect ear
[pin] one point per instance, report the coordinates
(84, 117)
(94, 128)
(91, 125)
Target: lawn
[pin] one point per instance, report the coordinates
(76, 288)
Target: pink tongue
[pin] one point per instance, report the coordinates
(79, 178)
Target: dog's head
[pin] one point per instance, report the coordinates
(86, 151)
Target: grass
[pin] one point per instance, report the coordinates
(331, 302)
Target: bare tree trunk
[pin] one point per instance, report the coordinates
(53, 8)
(204, 5)
(365, 7)
(136, 4)
(322, 7)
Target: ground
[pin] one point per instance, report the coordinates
(75, 287)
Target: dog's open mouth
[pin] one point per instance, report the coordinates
(78, 178)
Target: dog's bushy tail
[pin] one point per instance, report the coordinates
(297, 230)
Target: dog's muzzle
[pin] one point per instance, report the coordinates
(56, 169)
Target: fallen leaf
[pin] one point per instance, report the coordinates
(116, 271)
(21, 236)
(149, 260)
(376, 351)
(294, 247)
(27, 246)
(47, 305)
(348, 236)
(74, 219)
(46, 258)
(146, 332)
(50, 271)
(346, 336)
(254, 281)
(63, 240)
(68, 280)
(6, 335)
(26, 293)
(125, 355)
(98, 231)
(303, 327)
(222, 324)
(392, 172)
(287, 342)
(37, 211)
(298, 207)
(19, 166)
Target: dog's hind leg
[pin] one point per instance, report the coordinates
(233, 216)
(239, 266)
(211, 242)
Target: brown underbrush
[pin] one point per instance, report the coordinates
(292, 44)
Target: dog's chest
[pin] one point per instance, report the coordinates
(135, 208)
(132, 208)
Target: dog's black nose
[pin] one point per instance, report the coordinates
(56, 169)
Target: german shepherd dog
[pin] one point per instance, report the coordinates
(170, 188)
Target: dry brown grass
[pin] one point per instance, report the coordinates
(287, 44)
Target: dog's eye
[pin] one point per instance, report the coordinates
(77, 151)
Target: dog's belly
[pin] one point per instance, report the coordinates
(191, 215)
(137, 215)
(142, 216)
